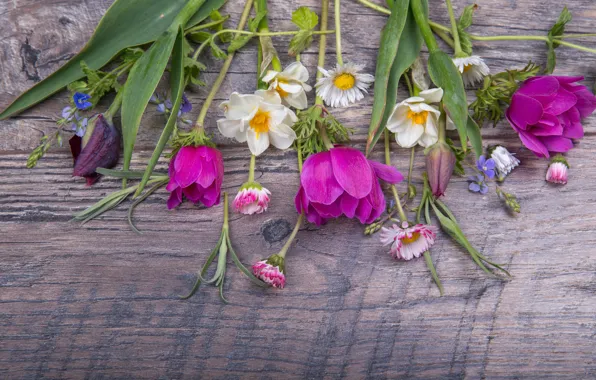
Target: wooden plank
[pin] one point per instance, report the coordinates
(99, 301)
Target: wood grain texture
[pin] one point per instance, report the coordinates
(98, 301)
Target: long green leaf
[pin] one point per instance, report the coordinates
(177, 89)
(409, 47)
(445, 74)
(474, 136)
(390, 39)
(126, 23)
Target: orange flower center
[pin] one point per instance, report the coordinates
(467, 68)
(418, 117)
(260, 122)
(410, 240)
(344, 81)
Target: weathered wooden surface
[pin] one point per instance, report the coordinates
(98, 301)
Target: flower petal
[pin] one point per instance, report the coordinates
(230, 128)
(410, 136)
(387, 173)
(348, 205)
(352, 171)
(282, 136)
(434, 95)
(557, 144)
(524, 111)
(188, 166)
(318, 180)
(257, 145)
(534, 144)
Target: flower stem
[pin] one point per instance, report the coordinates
(322, 43)
(224, 70)
(115, 105)
(400, 209)
(226, 224)
(433, 271)
(422, 21)
(411, 169)
(575, 46)
(207, 25)
(286, 246)
(508, 38)
(443, 35)
(374, 6)
(340, 60)
(251, 168)
(261, 6)
(457, 44)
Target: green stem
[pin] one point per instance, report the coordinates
(412, 158)
(286, 246)
(224, 70)
(322, 43)
(207, 25)
(251, 168)
(442, 124)
(191, 7)
(226, 224)
(261, 6)
(409, 85)
(400, 209)
(457, 44)
(422, 21)
(436, 25)
(433, 271)
(443, 35)
(115, 105)
(374, 6)
(325, 138)
(508, 38)
(579, 35)
(340, 60)
(578, 47)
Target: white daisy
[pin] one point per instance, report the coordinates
(258, 119)
(408, 242)
(290, 84)
(505, 161)
(344, 85)
(473, 69)
(416, 119)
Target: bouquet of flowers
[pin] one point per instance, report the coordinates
(138, 41)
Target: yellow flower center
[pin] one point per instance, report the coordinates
(410, 240)
(344, 81)
(467, 68)
(280, 90)
(260, 122)
(418, 118)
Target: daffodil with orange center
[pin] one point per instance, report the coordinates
(290, 84)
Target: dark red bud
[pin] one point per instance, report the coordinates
(440, 162)
(100, 149)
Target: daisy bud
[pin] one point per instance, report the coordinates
(440, 162)
(252, 198)
(271, 271)
(557, 170)
(409, 242)
(505, 161)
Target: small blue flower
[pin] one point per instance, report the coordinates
(161, 108)
(486, 166)
(477, 184)
(186, 106)
(82, 100)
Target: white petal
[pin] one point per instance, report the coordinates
(292, 87)
(434, 95)
(271, 74)
(229, 128)
(399, 118)
(277, 113)
(282, 136)
(296, 71)
(269, 96)
(241, 106)
(410, 136)
(257, 145)
(430, 136)
(450, 124)
(297, 101)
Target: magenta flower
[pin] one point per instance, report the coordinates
(342, 181)
(271, 271)
(546, 111)
(196, 172)
(558, 170)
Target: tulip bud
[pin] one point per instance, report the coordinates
(99, 148)
(440, 162)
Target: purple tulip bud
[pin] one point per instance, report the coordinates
(440, 162)
(99, 148)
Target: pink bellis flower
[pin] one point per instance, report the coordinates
(546, 112)
(252, 198)
(196, 172)
(408, 242)
(342, 181)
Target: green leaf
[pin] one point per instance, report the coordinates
(551, 60)
(200, 36)
(127, 23)
(466, 18)
(216, 50)
(475, 136)
(128, 174)
(253, 23)
(305, 19)
(445, 75)
(300, 42)
(390, 40)
(559, 28)
(408, 50)
(238, 43)
(177, 88)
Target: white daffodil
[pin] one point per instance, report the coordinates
(416, 119)
(258, 119)
(473, 69)
(344, 85)
(290, 84)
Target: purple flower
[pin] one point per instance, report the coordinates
(186, 105)
(81, 100)
(546, 112)
(477, 184)
(166, 106)
(196, 172)
(440, 162)
(342, 181)
(78, 124)
(487, 167)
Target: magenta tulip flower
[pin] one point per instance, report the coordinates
(343, 181)
(546, 111)
(196, 172)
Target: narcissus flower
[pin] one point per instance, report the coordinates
(505, 161)
(546, 112)
(290, 84)
(342, 181)
(416, 119)
(271, 271)
(197, 172)
(252, 198)
(408, 242)
(557, 170)
(258, 119)
(344, 85)
(472, 69)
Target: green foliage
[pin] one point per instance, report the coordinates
(308, 127)
(509, 200)
(556, 31)
(460, 157)
(464, 22)
(253, 25)
(495, 94)
(306, 20)
(44, 145)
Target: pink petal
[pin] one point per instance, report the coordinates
(175, 199)
(534, 144)
(387, 173)
(348, 205)
(328, 211)
(318, 180)
(211, 196)
(568, 80)
(208, 174)
(586, 102)
(188, 166)
(524, 111)
(542, 88)
(313, 216)
(363, 210)
(549, 125)
(557, 144)
(572, 126)
(194, 192)
(563, 102)
(352, 171)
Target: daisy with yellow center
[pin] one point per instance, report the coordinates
(290, 84)
(408, 242)
(260, 120)
(473, 69)
(416, 119)
(344, 85)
